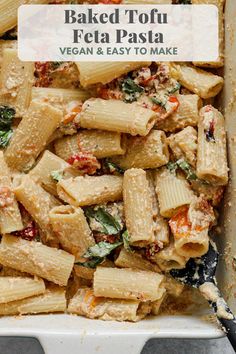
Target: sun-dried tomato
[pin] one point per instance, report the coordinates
(29, 233)
(85, 162)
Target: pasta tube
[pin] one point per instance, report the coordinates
(127, 259)
(10, 217)
(72, 230)
(211, 155)
(12, 289)
(88, 190)
(37, 202)
(117, 116)
(146, 152)
(138, 207)
(100, 143)
(36, 259)
(184, 145)
(190, 228)
(86, 304)
(186, 114)
(104, 72)
(128, 284)
(172, 191)
(50, 163)
(16, 80)
(52, 300)
(31, 136)
(203, 83)
(161, 228)
(59, 97)
(168, 258)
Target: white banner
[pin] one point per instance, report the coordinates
(118, 33)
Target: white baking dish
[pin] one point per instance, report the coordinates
(60, 334)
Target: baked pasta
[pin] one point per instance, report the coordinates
(111, 176)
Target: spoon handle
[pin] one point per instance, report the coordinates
(229, 326)
(224, 315)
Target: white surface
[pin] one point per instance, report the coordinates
(60, 334)
(189, 32)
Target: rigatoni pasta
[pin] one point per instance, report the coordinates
(72, 229)
(128, 284)
(37, 259)
(17, 288)
(53, 300)
(146, 152)
(16, 81)
(103, 72)
(138, 207)
(49, 164)
(201, 82)
(86, 304)
(116, 116)
(88, 190)
(38, 203)
(172, 191)
(32, 134)
(186, 115)
(211, 155)
(10, 216)
(98, 142)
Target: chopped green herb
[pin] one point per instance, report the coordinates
(184, 166)
(57, 175)
(172, 167)
(92, 263)
(97, 253)
(101, 249)
(131, 90)
(6, 117)
(158, 102)
(5, 137)
(112, 167)
(126, 239)
(109, 224)
(174, 89)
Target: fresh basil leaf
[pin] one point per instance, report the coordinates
(101, 249)
(185, 166)
(174, 89)
(129, 86)
(57, 175)
(126, 239)
(109, 224)
(5, 137)
(6, 117)
(91, 263)
(112, 167)
(158, 102)
(131, 90)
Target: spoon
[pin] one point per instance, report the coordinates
(200, 273)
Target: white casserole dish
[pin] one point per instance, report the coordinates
(60, 334)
